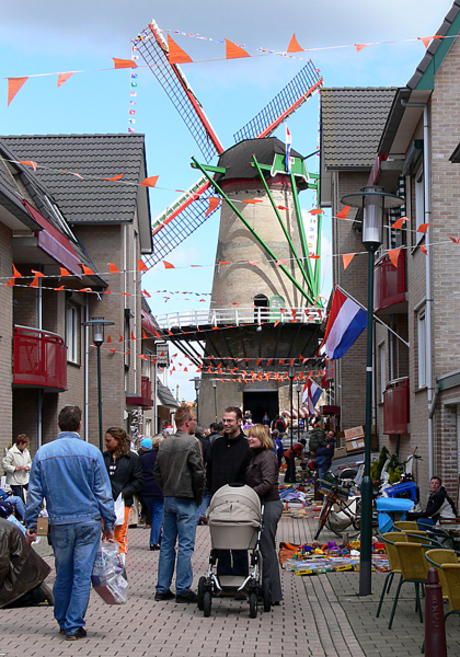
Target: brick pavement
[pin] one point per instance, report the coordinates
(321, 616)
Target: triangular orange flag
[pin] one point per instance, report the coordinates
(282, 207)
(62, 77)
(109, 338)
(113, 269)
(360, 46)
(64, 272)
(87, 270)
(455, 240)
(316, 211)
(294, 45)
(85, 289)
(393, 254)
(252, 200)
(232, 50)
(120, 337)
(151, 181)
(343, 213)
(347, 258)
(213, 203)
(141, 265)
(224, 262)
(144, 334)
(14, 84)
(426, 39)
(399, 222)
(16, 273)
(117, 177)
(11, 282)
(168, 265)
(313, 256)
(34, 282)
(57, 289)
(176, 55)
(31, 163)
(424, 249)
(281, 262)
(107, 291)
(424, 227)
(132, 336)
(124, 63)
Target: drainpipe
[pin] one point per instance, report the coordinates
(431, 397)
(86, 374)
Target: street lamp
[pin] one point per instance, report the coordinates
(214, 385)
(374, 201)
(299, 390)
(291, 375)
(97, 324)
(197, 382)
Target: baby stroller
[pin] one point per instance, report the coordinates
(235, 521)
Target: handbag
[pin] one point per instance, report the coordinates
(119, 510)
(109, 577)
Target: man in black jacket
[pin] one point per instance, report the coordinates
(227, 463)
(439, 504)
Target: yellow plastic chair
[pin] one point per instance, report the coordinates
(390, 539)
(414, 568)
(436, 558)
(405, 525)
(452, 578)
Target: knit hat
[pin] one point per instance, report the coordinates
(147, 443)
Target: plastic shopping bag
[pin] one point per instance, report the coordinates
(120, 510)
(109, 575)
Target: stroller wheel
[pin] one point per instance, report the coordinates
(266, 597)
(200, 592)
(207, 604)
(253, 604)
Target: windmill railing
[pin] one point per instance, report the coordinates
(239, 317)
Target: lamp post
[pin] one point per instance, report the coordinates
(97, 324)
(197, 382)
(214, 385)
(291, 375)
(373, 200)
(299, 390)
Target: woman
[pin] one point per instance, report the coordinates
(125, 472)
(17, 464)
(262, 476)
(151, 492)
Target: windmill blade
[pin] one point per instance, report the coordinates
(154, 50)
(287, 101)
(191, 207)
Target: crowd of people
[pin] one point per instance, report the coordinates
(90, 495)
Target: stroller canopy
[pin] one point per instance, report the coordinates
(235, 505)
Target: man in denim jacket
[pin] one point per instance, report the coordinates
(70, 474)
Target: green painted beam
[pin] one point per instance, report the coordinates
(209, 167)
(303, 238)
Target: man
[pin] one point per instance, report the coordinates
(179, 472)
(70, 475)
(227, 463)
(439, 505)
(298, 452)
(324, 454)
(216, 429)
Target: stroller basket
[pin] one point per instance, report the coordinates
(234, 518)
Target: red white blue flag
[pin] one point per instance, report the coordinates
(346, 322)
(310, 395)
(288, 149)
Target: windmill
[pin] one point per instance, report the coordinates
(274, 292)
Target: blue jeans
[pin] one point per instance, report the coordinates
(179, 521)
(204, 504)
(18, 504)
(155, 507)
(75, 548)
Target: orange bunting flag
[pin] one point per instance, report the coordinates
(294, 45)
(232, 50)
(213, 203)
(393, 254)
(313, 256)
(34, 282)
(14, 84)
(280, 262)
(37, 273)
(151, 181)
(343, 213)
(424, 249)
(64, 272)
(144, 334)
(455, 240)
(114, 351)
(107, 291)
(176, 55)
(360, 46)
(85, 289)
(316, 211)
(120, 337)
(424, 227)
(11, 282)
(16, 273)
(87, 270)
(132, 336)
(62, 77)
(252, 200)
(146, 294)
(426, 39)
(126, 294)
(141, 265)
(124, 63)
(253, 262)
(168, 265)
(347, 258)
(113, 269)
(399, 222)
(30, 163)
(224, 262)
(234, 303)
(57, 289)
(117, 177)
(282, 207)
(109, 338)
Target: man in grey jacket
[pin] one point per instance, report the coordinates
(179, 472)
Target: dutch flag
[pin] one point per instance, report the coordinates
(310, 395)
(346, 322)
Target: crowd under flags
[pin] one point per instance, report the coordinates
(347, 320)
(310, 395)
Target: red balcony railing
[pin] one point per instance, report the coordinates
(146, 388)
(39, 359)
(389, 282)
(146, 394)
(396, 407)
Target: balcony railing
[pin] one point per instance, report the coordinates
(145, 398)
(39, 359)
(396, 407)
(389, 282)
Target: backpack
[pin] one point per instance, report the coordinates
(280, 426)
(6, 509)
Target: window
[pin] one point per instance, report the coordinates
(260, 308)
(127, 338)
(382, 370)
(72, 332)
(419, 200)
(421, 348)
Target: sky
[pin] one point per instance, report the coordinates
(54, 36)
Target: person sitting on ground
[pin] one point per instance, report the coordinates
(439, 505)
(16, 502)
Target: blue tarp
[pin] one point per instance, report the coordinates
(386, 505)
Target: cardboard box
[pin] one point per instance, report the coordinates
(354, 432)
(356, 444)
(42, 526)
(340, 452)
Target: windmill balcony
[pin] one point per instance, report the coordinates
(39, 359)
(145, 398)
(396, 407)
(390, 285)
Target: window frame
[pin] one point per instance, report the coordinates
(72, 333)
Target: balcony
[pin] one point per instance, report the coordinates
(39, 360)
(145, 399)
(396, 407)
(390, 285)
